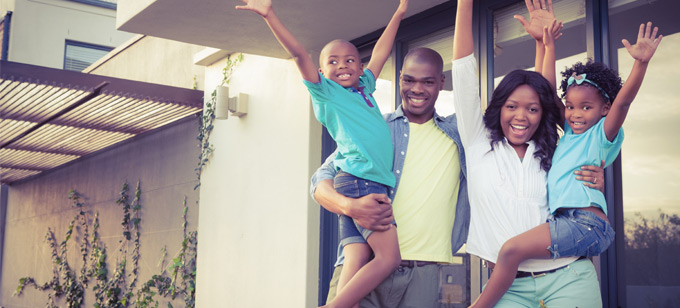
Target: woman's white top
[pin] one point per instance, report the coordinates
(508, 196)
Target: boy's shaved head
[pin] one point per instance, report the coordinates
(426, 55)
(324, 52)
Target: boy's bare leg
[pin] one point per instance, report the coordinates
(356, 256)
(532, 244)
(387, 258)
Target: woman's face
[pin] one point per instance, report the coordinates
(520, 117)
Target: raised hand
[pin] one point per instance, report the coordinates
(646, 44)
(262, 7)
(403, 6)
(540, 15)
(552, 33)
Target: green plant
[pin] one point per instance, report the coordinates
(114, 291)
(205, 121)
(64, 280)
(181, 279)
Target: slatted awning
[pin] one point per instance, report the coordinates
(49, 117)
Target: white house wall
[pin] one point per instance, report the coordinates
(40, 29)
(259, 229)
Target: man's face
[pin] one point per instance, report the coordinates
(420, 82)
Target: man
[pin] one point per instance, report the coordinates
(430, 196)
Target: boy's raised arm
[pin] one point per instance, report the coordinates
(642, 52)
(383, 47)
(302, 59)
(462, 38)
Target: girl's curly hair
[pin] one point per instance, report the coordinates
(606, 78)
(546, 135)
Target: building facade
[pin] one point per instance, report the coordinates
(264, 242)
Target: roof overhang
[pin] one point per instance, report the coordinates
(217, 24)
(49, 117)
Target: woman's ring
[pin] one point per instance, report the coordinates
(594, 180)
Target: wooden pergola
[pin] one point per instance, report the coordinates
(49, 117)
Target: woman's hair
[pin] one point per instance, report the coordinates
(546, 135)
(606, 78)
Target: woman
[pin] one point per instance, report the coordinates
(509, 152)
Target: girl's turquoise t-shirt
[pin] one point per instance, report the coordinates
(574, 151)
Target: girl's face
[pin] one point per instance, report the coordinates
(584, 108)
(520, 117)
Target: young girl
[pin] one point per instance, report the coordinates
(595, 107)
(341, 91)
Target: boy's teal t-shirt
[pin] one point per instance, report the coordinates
(354, 121)
(574, 151)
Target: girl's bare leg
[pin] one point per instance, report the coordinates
(532, 244)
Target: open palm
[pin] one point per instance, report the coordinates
(646, 44)
(262, 7)
(541, 15)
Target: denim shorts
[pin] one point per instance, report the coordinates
(354, 187)
(577, 232)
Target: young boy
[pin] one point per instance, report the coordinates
(342, 102)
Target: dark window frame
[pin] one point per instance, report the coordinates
(68, 43)
(99, 3)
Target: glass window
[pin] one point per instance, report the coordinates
(650, 165)
(515, 49)
(384, 84)
(110, 4)
(79, 56)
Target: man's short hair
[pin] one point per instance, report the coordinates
(426, 55)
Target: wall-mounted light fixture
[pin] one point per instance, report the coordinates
(238, 105)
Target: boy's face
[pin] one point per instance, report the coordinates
(339, 61)
(420, 82)
(584, 107)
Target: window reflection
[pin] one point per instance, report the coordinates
(650, 163)
(384, 84)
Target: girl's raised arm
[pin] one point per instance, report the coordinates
(642, 52)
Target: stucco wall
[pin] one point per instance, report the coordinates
(163, 161)
(259, 229)
(40, 29)
(155, 60)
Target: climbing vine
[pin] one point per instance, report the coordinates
(120, 289)
(205, 121)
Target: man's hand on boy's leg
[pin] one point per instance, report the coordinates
(262, 7)
(373, 212)
(540, 15)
